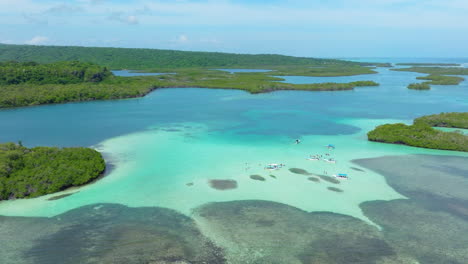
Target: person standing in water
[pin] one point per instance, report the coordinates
(298, 141)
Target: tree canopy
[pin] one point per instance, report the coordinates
(38, 171)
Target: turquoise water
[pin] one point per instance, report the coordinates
(166, 147)
(127, 73)
(243, 70)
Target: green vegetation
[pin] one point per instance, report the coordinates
(436, 76)
(114, 87)
(53, 73)
(428, 64)
(421, 134)
(57, 81)
(442, 79)
(328, 71)
(419, 86)
(436, 70)
(455, 120)
(42, 170)
(139, 59)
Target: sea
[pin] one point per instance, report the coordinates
(187, 179)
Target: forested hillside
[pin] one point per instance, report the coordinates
(52, 73)
(125, 58)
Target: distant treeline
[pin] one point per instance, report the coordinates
(38, 171)
(125, 58)
(436, 70)
(68, 72)
(429, 64)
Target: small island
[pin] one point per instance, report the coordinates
(31, 172)
(437, 75)
(436, 70)
(422, 135)
(419, 86)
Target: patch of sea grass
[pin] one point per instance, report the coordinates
(57, 197)
(257, 177)
(299, 171)
(307, 238)
(223, 184)
(272, 176)
(356, 169)
(116, 234)
(314, 179)
(329, 179)
(334, 189)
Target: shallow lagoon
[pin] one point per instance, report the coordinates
(167, 146)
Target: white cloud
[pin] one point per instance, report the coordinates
(182, 38)
(120, 17)
(37, 40)
(131, 20)
(64, 9)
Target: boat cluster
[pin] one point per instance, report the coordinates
(317, 157)
(327, 158)
(320, 157)
(274, 166)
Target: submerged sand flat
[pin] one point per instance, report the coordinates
(153, 167)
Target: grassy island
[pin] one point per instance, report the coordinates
(441, 79)
(27, 84)
(436, 70)
(419, 86)
(437, 76)
(31, 172)
(421, 134)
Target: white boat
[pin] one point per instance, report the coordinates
(273, 166)
(341, 176)
(330, 160)
(313, 158)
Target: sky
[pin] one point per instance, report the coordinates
(311, 28)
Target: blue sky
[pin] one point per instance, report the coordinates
(318, 28)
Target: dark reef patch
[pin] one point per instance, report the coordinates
(171, 129)
(57, 197)
(257, 177)
(299, 171)
(272, 176)
(329, 179)
(428, 236)
(189, 184)
(431, 225)
(223, 184)
(314, 179)
(285, 234)
(110, 233)
(334, 189)
(357, 169)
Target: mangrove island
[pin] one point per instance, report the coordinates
(421, 134)
(31, 172)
